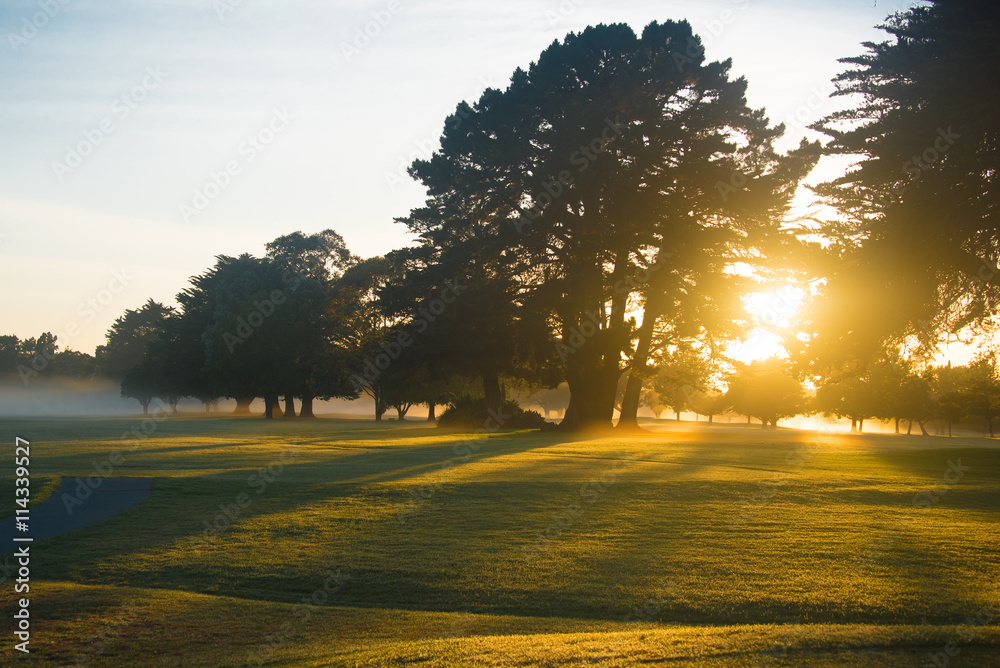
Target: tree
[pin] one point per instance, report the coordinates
(983, 391)
(10, 355)
(921, 240)
(264, 322)
(318, 259)
(709, 403)
(567, 175)
(323, 256)
(128, 337)
(912, 400)
(368, 345)
(142, 383)
(950, 386)
(765, 390)
(74, 364)
(37, 355)
(885, 387)
(847, 398)
(680, 379)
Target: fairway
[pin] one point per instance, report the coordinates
(337, 542)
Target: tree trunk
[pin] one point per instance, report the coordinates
(861, 425)
(628, 418)
(678, 417)
(145, 406)
(949, 428)
(909, 427)
(307, 407)
(897, 425)
(593, 342)
(591, 398)
(923, 432)
(243, 405)
(710, 416)
(491, 385)
(749, 420)
(854, 425)
(401, 412)
(289, 406)
(269, 403)
(430, 412)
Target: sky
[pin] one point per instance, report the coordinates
(139, 140)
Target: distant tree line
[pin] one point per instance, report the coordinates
(890, 391)
(25, 359)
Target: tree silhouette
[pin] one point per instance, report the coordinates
(129, 336)
(921, 239)
(567, 176)
(765, 390)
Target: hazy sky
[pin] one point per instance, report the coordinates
(115, 115)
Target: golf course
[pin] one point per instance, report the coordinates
(357, 543)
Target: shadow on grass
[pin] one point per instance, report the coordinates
(465, 547)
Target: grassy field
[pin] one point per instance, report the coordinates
(350, 543)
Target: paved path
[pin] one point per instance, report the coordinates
(61, 513)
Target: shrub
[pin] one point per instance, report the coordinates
(469, 410)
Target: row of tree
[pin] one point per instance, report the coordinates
(770, 390)
(29, 358)
(606, 214)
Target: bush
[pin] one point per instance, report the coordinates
(469, 410)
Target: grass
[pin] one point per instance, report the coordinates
(338, 542)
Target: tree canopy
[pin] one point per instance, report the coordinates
(919, 240)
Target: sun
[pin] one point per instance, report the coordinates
(775, 309)
(771, 310)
